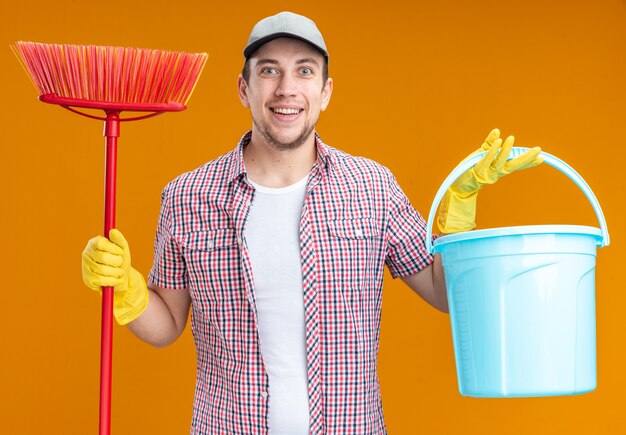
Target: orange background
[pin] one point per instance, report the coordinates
(418, 84)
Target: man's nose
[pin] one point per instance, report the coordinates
(286, 86)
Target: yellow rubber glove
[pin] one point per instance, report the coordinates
(458, 207)
(107, 263)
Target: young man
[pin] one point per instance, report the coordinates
(279, 248)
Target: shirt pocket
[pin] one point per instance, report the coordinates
(353, 254)
(213, 263)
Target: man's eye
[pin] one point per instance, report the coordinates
(269, 70)
(306, 71)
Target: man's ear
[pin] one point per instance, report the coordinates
(326, 93)
(242, 88)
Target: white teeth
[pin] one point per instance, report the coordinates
(285, 111)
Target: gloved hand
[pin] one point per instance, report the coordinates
(458, 207)
(107, 263)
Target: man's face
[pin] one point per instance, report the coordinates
(285, 92)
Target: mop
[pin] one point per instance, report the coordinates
(114, 80)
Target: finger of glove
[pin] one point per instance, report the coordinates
(527, 160)
(490, 139)
(103, 244)
(104, 270)
(118, 238)
(103, 251)
(483, 166)
(503, 156)
(487, 144)
(95, 281)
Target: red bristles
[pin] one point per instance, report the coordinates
(111, 74)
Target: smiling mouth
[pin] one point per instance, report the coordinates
(285, 111)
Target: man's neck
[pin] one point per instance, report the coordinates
(268, 166)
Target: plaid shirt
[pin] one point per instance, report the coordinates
(355, 219)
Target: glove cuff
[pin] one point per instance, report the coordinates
(134, 301)
(457, 213)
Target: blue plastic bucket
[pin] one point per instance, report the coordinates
(522, 301)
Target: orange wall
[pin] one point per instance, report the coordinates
(418, 84)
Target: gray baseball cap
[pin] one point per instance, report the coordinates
(285, 25)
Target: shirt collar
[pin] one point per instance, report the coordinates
(238, 168)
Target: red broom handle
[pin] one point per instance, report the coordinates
(111, 132)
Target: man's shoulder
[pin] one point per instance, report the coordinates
(353, 165)
(211, 175)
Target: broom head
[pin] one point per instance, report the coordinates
(111, 78)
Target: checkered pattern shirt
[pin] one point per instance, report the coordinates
(355, 220)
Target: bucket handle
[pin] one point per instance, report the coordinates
(551, 160)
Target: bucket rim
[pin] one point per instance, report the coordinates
(519, 230)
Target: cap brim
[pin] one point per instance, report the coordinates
(250, 49)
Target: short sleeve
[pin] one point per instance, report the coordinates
(406, 234)
(168, 269)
